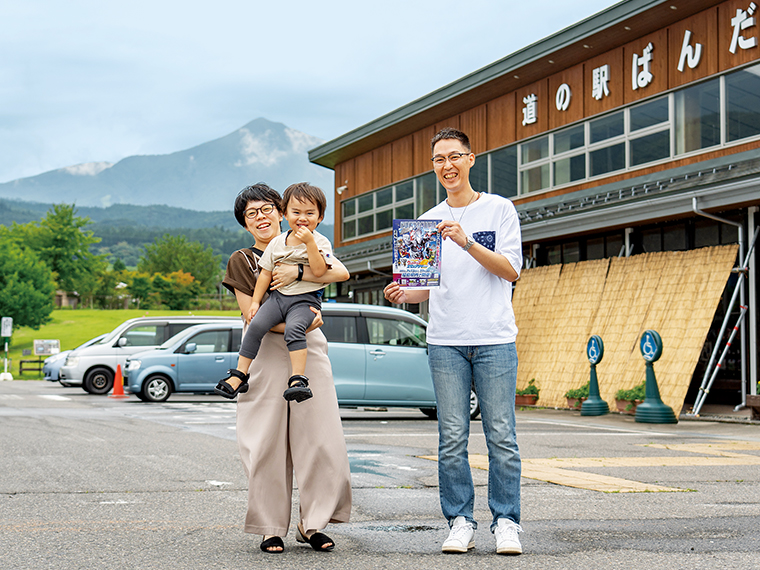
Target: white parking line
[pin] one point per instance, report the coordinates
(55, 397)
(620, 430)
(519, 434)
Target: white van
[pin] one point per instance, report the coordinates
(94, 367)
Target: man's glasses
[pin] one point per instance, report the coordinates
(453, 158)
(266, 209)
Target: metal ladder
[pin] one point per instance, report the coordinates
(712, 372)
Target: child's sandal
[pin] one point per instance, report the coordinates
(299, 389)
(224, 389)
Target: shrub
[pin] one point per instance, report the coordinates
(578, 393)
(530, 389)
(635, 393)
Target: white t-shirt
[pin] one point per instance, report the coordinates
(473, 306)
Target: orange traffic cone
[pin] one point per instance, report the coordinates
(118, 385)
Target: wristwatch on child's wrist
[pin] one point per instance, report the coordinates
(300, 272)
(469, 244)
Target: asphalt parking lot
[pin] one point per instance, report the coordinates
(94, 482)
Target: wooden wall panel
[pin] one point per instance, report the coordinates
(421, 149)
(541, 90)
(726, 59)
(421, 143)
(501, 121)
(573, 77)
(344, 176)
(363, 174)
(382, 174)
(402, 158)
(616, 83)
(452, 122)
(658, 66)
(704, 31)
(474, 124)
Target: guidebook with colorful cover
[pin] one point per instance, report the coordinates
(416, 254)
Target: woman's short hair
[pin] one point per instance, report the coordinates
(305, 192)
(259, 192)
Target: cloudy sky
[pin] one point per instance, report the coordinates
(87, 80)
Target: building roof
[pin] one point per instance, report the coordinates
(595, 35)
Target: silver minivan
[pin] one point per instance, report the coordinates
(94, 367)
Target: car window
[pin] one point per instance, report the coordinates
(394, 332)
(237, 335)
(175, 328)
(145, 335)
(339, 328)
(211, 341)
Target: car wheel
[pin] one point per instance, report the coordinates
(98, 381)
(156, 389)
(474, 405)
(431, 413)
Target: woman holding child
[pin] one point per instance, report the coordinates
(278, 438)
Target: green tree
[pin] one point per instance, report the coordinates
(176, 289)
(140, 288)
(26, 286)
(62, 242)
(169, 254)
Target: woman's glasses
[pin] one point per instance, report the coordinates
(266, 209)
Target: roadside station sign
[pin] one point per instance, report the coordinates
(6, 326)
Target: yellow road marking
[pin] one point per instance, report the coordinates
(559, 470)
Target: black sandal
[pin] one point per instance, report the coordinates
(224, 389)
(317, 540)
(299, 389)
(275, 541)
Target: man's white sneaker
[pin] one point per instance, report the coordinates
(460, 537)
(507, 541)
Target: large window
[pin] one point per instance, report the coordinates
(743, 103)
(697, 117)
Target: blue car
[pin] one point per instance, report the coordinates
(53, 364)
(378, 356)
(192, 361)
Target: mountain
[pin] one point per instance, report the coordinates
(206, 177)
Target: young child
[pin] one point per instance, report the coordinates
(301, 245)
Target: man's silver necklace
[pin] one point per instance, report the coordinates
(472, 199)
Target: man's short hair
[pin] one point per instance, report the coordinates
(259, 192)
(449, 133)
(305, 192)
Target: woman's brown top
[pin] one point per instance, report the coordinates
(242, 271)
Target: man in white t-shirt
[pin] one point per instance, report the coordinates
(471, 341)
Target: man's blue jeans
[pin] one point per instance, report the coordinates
(493, 370)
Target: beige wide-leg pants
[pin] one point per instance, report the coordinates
(277, 438)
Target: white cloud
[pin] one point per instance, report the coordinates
(88, 168)
(301, 141)
(258, 151)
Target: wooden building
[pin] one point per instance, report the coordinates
(636, 130)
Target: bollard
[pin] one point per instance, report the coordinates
(118, 385)
(594, 405)
(653, 410)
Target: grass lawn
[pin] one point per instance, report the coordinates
(74, 327)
